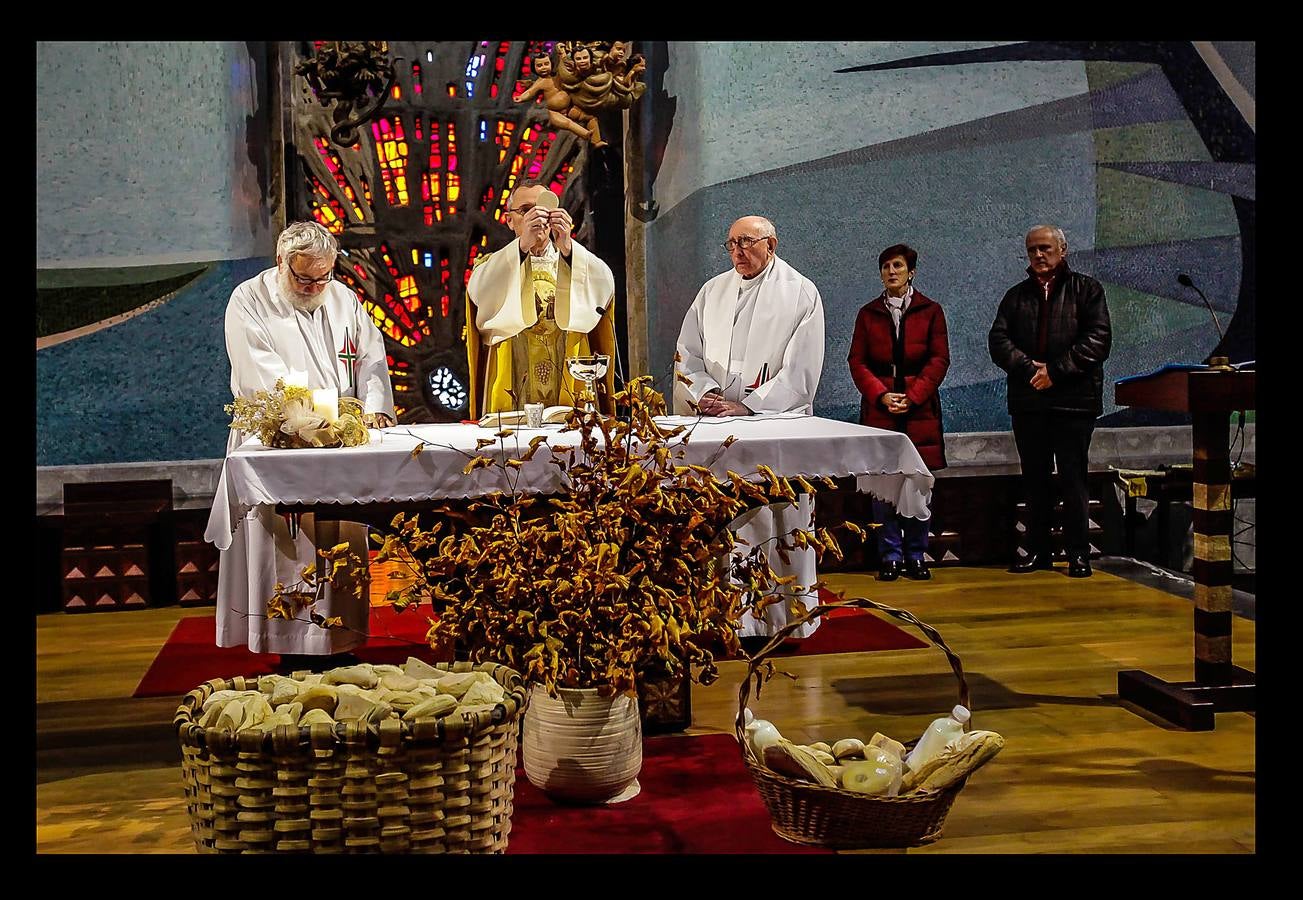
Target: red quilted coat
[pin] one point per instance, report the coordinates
(923, 357)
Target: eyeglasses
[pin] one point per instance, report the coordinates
(305, 281)
(746, 243)
(522, 210)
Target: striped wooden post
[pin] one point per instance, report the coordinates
(1212, 569)
(1209, 395)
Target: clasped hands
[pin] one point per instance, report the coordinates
(377, 420)
(896, 404)
(539, 222)
(713, 404)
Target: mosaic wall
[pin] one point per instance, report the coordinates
(1137, 150)
(149, 152)
(156, 153)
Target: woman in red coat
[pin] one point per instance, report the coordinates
(899, 355)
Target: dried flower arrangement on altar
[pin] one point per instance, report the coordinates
(632, 570)
(290, 416)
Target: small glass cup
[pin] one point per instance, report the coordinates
(533, 415)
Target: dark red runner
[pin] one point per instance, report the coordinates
(191, 656)
(696, 798)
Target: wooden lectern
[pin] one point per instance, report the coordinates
(1210, 395)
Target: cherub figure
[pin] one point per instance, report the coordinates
(555, 99)
(624, 69)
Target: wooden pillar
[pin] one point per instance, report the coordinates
(1209, 395)
(635, 250)
(1212, 570)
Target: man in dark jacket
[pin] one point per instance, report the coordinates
(1052, 335)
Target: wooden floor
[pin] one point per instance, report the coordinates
(1079, 774)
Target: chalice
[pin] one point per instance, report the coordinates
(588, 369)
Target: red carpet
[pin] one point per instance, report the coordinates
(696, 798)
(191, 656)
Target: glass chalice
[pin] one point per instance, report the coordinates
(588, 369)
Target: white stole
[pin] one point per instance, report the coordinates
(788, 309)
(502, 311)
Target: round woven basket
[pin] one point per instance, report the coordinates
(808, 813)
(429, 786)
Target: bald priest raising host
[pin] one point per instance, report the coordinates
(532, 305)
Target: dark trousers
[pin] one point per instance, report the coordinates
(898, 530)
(1044, 440)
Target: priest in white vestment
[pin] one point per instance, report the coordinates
(294, 322)
(752, 344)
(532, 305)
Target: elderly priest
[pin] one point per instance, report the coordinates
(294, 322)
(752, 343)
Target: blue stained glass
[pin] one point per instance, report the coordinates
(429, 260)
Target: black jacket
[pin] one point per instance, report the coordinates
(1077, 343)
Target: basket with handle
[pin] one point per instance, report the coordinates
(807, 813)
(433, 785)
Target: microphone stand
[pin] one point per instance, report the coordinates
(1219, 363)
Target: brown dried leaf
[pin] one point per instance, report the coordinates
(479, 462)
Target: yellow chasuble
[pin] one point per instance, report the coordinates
(520, 348)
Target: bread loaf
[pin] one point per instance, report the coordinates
(971, 752)
(787, 758)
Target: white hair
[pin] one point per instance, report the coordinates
(767, 228)
(306, 239)
(1052, 229)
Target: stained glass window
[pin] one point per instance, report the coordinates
(449, 135)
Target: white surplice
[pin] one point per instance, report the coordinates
(336, 346)
(760, 341)
(756, 340)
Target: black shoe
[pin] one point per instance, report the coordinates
(296, 662)
(917, 570)
(889, 570)
(1079, 567)
(1034, 563)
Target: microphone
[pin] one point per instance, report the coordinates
(1186, 281)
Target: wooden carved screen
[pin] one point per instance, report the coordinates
(422, 192)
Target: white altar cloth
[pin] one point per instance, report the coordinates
(888, 465)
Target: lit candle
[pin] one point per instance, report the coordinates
(325, 403)
(296, 379)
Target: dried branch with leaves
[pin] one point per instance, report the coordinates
(632, 570)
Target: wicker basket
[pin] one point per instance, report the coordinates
(429, 786)
(808, 813)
